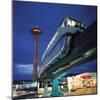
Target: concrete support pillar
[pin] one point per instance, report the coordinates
(55, 88)
(46, 89)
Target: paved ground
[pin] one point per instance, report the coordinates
(83, 91)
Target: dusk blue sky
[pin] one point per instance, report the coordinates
(47, 16)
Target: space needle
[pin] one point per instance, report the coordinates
(36, 32)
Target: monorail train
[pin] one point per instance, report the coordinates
(59, 45)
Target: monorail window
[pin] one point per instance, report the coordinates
(55, 50)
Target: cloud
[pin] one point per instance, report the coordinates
(23, 68)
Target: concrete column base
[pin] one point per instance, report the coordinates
(55, 88)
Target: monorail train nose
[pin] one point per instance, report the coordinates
(74, 23)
